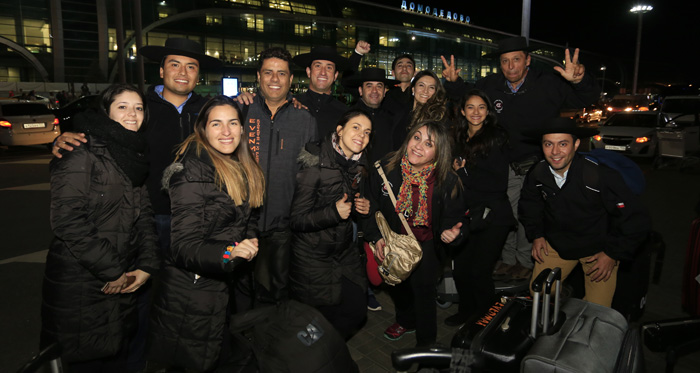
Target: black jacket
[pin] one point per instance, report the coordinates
(166, 130)
(383, 124)
(580, 220)
(448, 206)
(190, 307)
(542, 96)
(322, 242)
(486, 182)
(276, 143)
(325, 108)
(103, 227)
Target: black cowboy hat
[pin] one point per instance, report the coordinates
(321, 53)
(180, 47)
(369, 74)
(517, 43)
(560, 125)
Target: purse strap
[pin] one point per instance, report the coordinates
(379, 168)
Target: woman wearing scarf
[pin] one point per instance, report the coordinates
(326, 270)
(104, 246)
(429, 195)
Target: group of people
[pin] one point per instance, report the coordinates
(190, 191)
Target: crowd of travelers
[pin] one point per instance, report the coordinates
(173, 213)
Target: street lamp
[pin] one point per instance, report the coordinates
(639, 10)
(603, 68)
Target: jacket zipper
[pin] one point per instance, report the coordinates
(267, 174)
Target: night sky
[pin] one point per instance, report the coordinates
(670, 34)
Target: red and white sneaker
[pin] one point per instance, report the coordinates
(396, 331)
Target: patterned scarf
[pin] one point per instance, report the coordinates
(404, 204)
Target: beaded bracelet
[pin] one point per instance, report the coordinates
(227, 253)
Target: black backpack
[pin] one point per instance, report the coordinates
(292, 337)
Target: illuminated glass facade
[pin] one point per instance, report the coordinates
(235, 31)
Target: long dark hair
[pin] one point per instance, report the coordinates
(489, 136)
(238, 174)
(435, 109)
(443, 150)
(110, 94)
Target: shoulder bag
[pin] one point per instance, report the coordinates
(402, 251)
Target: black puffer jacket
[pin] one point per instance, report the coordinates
(190, 307)
(322, 245)
(104, 228)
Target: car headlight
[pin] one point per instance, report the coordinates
(597, 137)
(641, 140)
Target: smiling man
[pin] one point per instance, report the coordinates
(576, 211)
(523, 98)
(323, 65)
(277, 131)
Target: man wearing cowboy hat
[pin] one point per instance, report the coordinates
(573, 217)
(525, 97)
(173, 109)
(322, 66)
(371, 84)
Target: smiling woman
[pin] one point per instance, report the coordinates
(214, 185)
(104, 249)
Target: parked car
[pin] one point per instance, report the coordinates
(628, 103)
(65, 114)
(682, 135)
(632, 133)
(27, 123)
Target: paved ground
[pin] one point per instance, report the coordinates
(671, 196)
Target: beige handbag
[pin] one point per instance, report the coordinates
(402, 252)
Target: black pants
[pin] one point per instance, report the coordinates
(473, 268)
(414, 299)
(347, 316)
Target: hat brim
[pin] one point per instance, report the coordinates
(304, 60)
(579, 132)
(498, 53)
(156, 53)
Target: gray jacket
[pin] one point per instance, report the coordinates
(276, 143)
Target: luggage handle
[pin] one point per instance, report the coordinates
(541, 288)
(537, 287)
(554, 277)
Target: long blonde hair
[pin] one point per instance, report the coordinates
(238, 173)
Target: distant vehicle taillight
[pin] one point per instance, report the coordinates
(55, 121)
(5, 124)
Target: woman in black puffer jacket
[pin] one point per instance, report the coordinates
(326, 270)
(214, 185)
(104, 248)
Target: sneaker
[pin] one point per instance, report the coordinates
(396, 331)
(373, 304)
(455, 320)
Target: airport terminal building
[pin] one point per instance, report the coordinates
(95, 41)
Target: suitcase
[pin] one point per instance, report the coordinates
(690, 298)
(502, 336)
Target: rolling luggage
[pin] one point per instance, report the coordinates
(690, 298)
